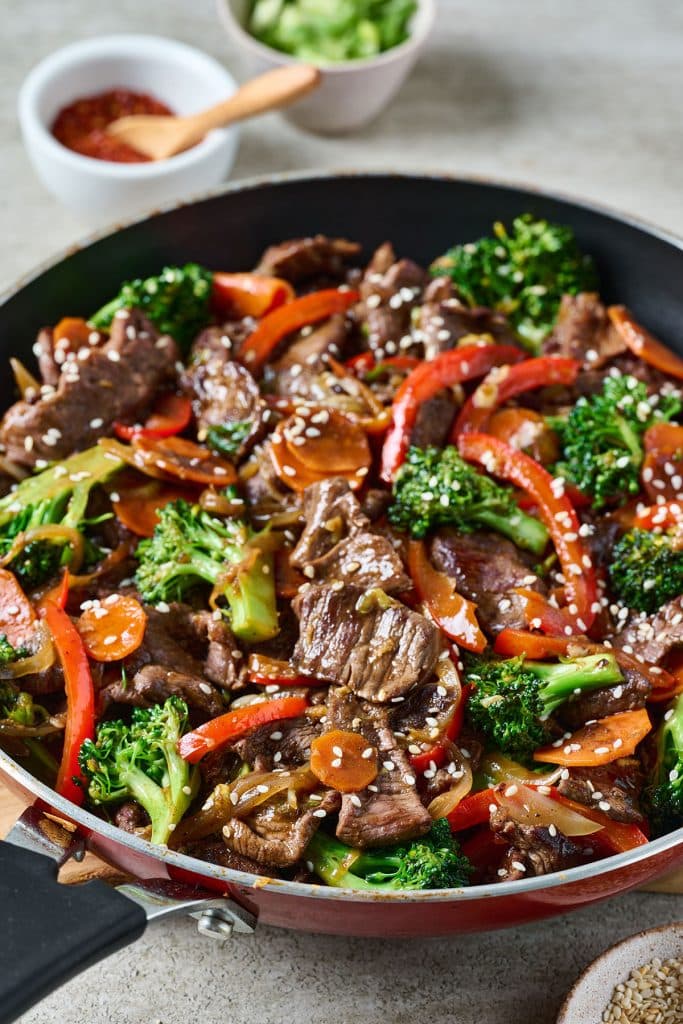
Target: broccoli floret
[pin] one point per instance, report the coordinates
(513, 698)
(177, 301)
(646, 570)
(601, 438)
(523, 273)
(228, 438)
(663, 796)
(436, 487)
(17, 706)
(139, 761)
(57, 496)
(433, 862)
(190, 546)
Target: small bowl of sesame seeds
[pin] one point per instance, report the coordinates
(638, 981)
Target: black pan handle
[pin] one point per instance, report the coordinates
(50, 932)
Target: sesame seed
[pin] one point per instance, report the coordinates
(320, 813)
(356, 800)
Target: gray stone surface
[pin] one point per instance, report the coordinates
(583, 98)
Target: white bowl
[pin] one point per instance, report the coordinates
(350, 93)
(100, 190)
(593, 990)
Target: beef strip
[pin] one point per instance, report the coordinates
(224, 392)
(379, 652)
(443, 321)
(583, 331)
(605, 532)
(180, 652)
(302, 373)
(291, 739)
(375, 503)
(338, 542)
(44, 352)
(131, 816)
(221, 341)
(390, 289)
(275, 833)
(265, 493)
(608, 700)
(116, 381)
(432, 700)
(613, 788)
(651, 637)
(298, 259)
(217, 768)
(534, 850)
(216, 852)
(390, 809)
(487, 569)
(434, 421)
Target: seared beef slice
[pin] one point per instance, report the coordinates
(364, 640)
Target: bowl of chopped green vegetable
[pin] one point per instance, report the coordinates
(365, 49)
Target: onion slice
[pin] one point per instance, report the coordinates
(527, 806)
(50, 532)
(35, 663)
(499, 768)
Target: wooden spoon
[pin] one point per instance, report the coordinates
(162, 137)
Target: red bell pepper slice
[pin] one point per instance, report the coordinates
(452, 612)
(230, 726)
(172, 414)
(361, 363)
(558, 514)
(425, 381)
(661, 517)
(643, 344)
(437, 753)
(506, 382)
(512, 643)
(308, 309)
(484, 850)
(473, 810)
(248, 294)
(80, 699)
(613, 837)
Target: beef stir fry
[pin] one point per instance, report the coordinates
(364, 574)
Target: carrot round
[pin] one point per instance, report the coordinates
(138, 507)
(344, 760)
(113, 628)
(600, 742)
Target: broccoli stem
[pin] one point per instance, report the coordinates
(163, 810)
(520, 528)
(332, 861)
(562, 680)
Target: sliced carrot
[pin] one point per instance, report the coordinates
(600, 742)
(73, 329)
(113, 628)
(17, 616)
(331, 446)
(643, 344)
(660, 516)
(248, 294)
(452, 612)
(138, 507)
(296, 474)
(344, 760)
(663, 443)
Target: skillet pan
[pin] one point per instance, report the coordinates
(50, 932)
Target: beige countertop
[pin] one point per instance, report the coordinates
(582, 98)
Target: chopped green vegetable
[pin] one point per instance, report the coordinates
(57, 496)
(433, 862)
(177, 302)
(523, 273)
(436, 487)
(601, 438)
(513, 698)
(646, 570)
(664, 794)
(190, 547)
(228, 438)
(140, 761)
(330, 31)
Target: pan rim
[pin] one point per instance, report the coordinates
(229, 876)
